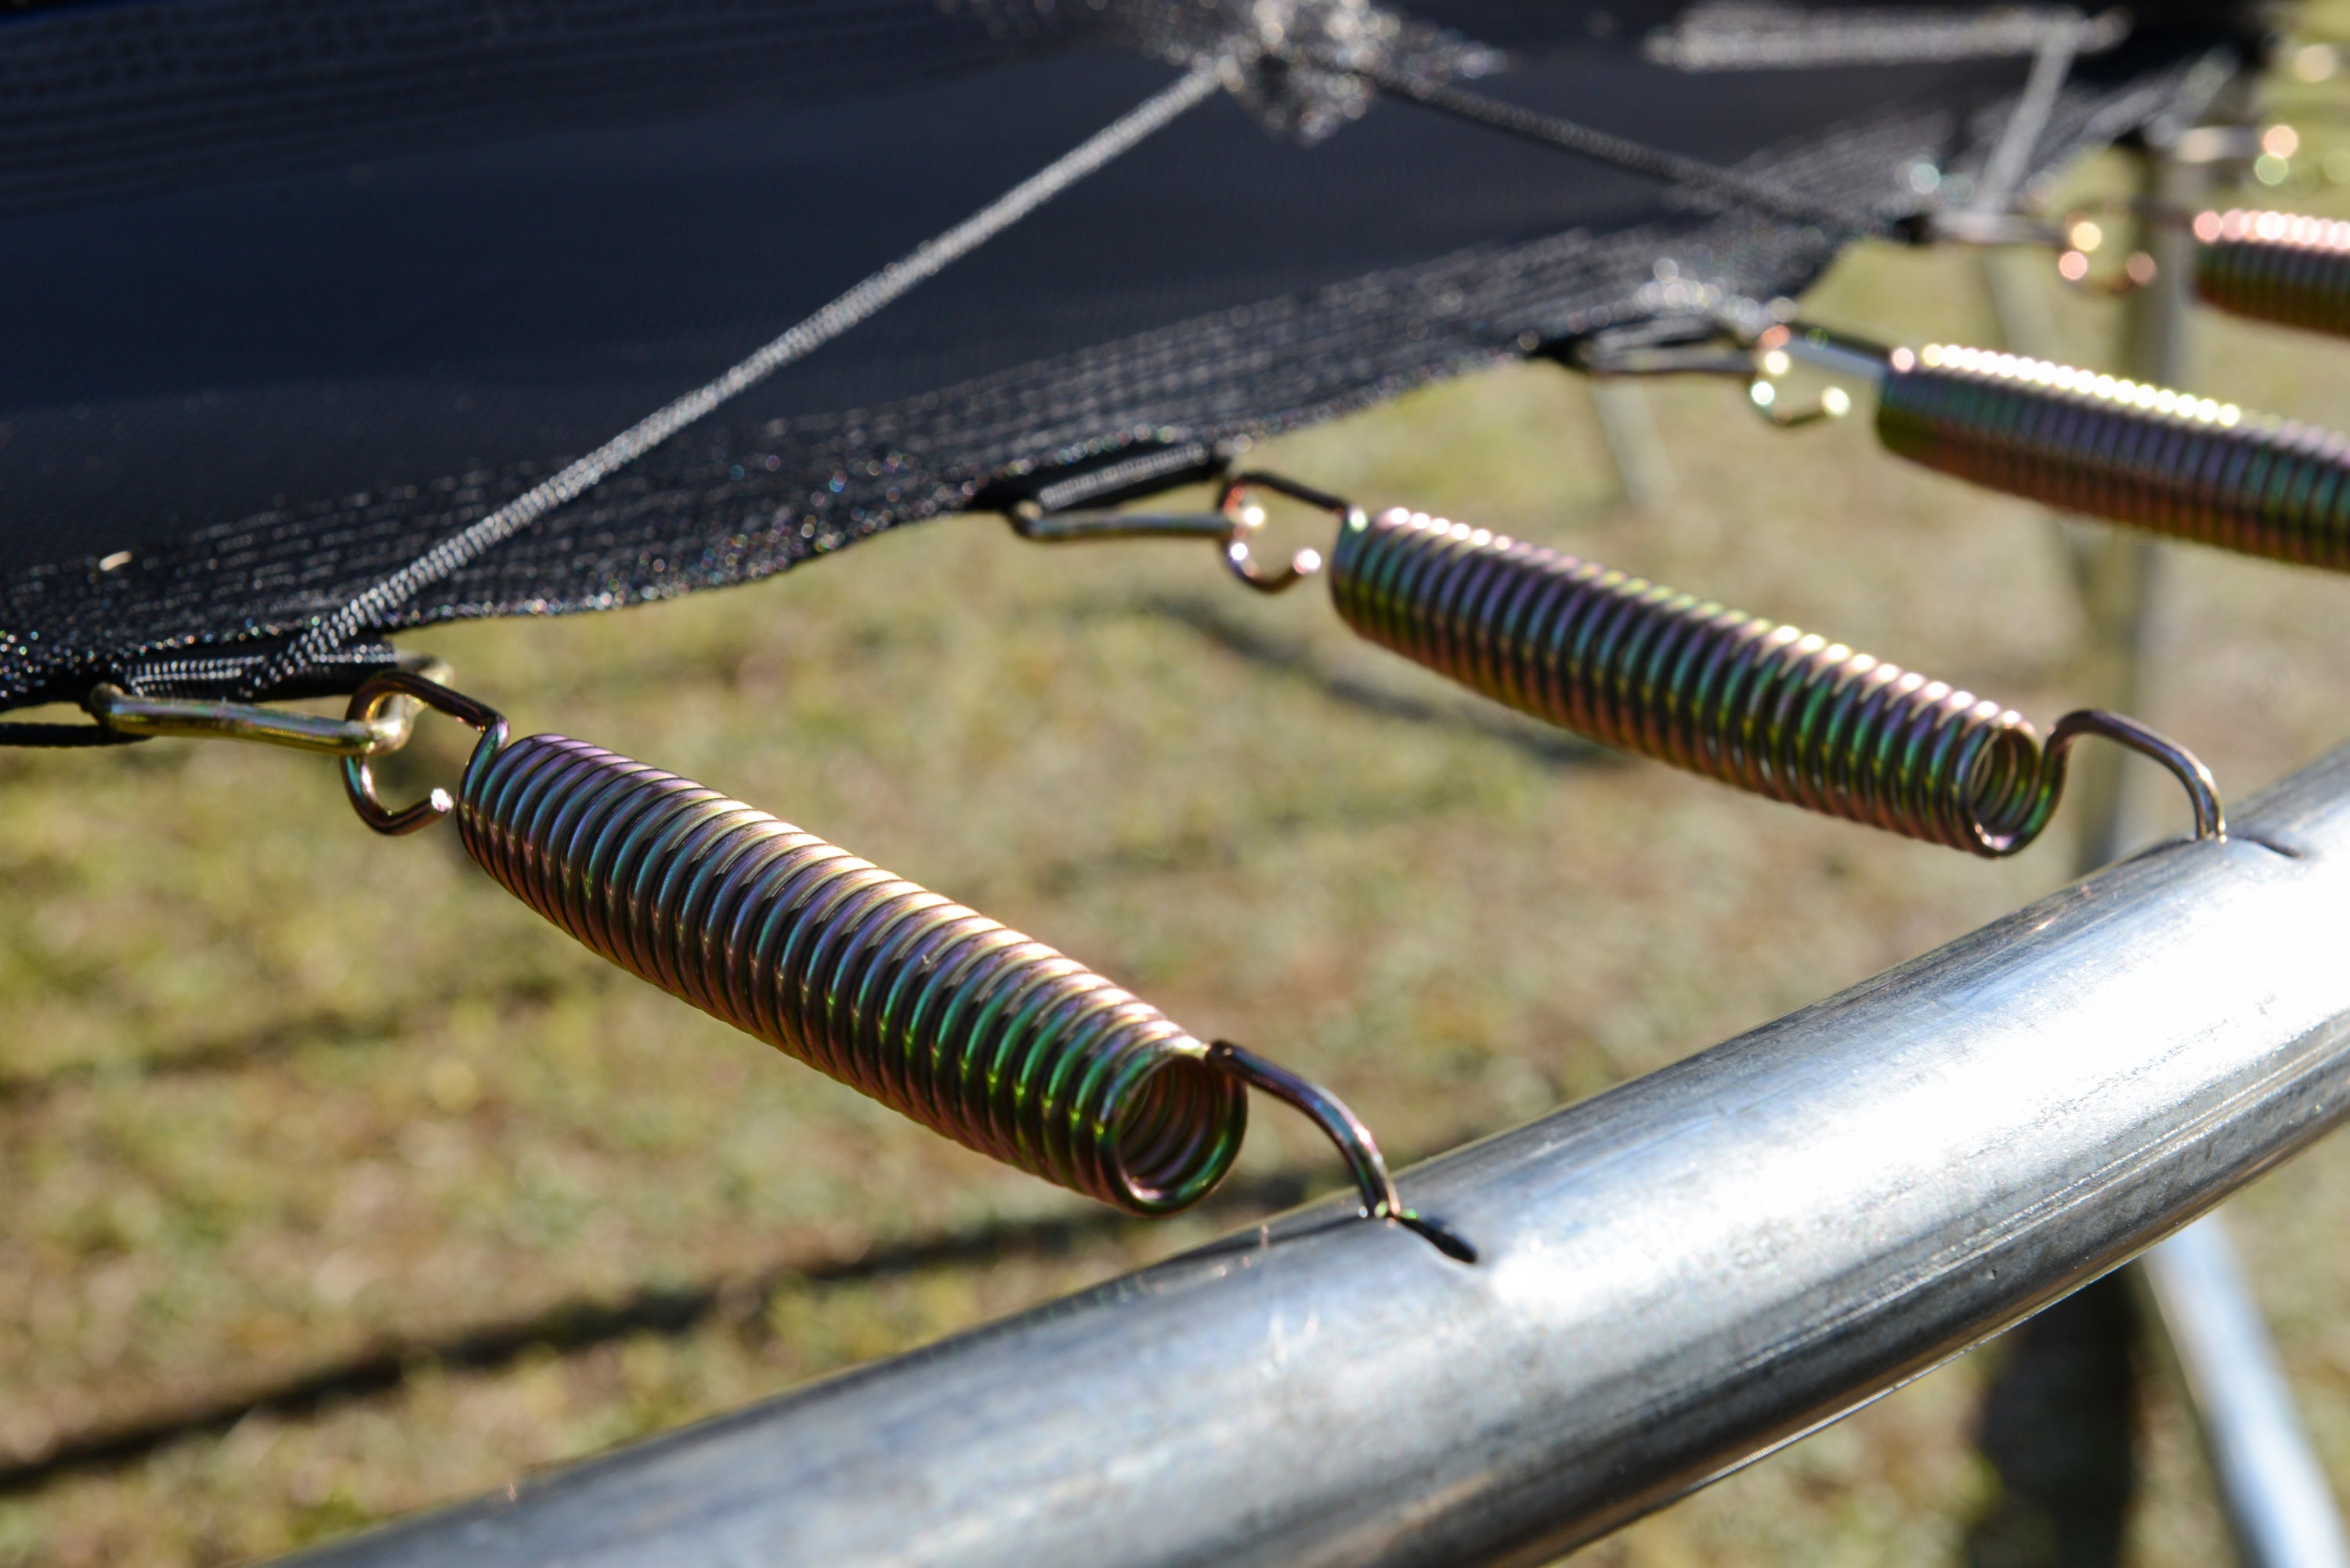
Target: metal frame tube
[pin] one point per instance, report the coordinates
(1675, 1278)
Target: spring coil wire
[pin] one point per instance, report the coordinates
(2099, 445)
(1663, 674)
(971, 1029)
(2275, 267)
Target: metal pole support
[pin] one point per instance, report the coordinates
(2280, 1510)
(1644, 470)
(2115, 571)
(2271, 1486)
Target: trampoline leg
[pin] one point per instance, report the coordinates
(2271, 1487)
(2116, 570)
(1644, 472)
(2280, 1510)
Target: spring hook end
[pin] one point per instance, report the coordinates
(1439, 1235)
(2202, 789)
(2080, 236)
(1833, 403)
(1778, 349)
(1241, 563)
(358, 776)
(1373, 1185)
(1247, 518)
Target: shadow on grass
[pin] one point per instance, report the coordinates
(235, 1053)
(1228, 846)
(571, 1327)
(332, 1029)
(1555, 748)
(2057, 1427)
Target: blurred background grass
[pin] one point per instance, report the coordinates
(339, 1184)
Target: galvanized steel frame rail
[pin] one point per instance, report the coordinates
(1676, 1277)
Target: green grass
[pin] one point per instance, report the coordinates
(277, 1095)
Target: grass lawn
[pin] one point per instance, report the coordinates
(340, 1184)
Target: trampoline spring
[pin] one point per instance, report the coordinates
(2280, 268)
(1735, 697)
(2100, 445)
(2079, 441)
(2288, 268)
(973, 1030)
(2106, 447)
(1624, 662)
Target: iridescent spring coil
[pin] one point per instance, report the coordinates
(2275, 267)
(2109, 448)
(971, 1029)
(977, 1031)
(1732, 696)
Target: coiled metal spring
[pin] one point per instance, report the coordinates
(2275, 267)
(967, 1026)
(975, 1030)
(1732, 696)
(2110, 448)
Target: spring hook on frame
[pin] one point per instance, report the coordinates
(962, 1024)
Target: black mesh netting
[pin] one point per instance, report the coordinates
(295, 291)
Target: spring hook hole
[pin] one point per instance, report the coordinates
(1439, 1235)
(358, 775)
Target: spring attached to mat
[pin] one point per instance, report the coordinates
(1735, 697)
(2275, 267)
(2097, 444)
(2110, 448)
(967, 1026)
(1638, 667)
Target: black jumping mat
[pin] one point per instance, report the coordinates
(291, 292)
